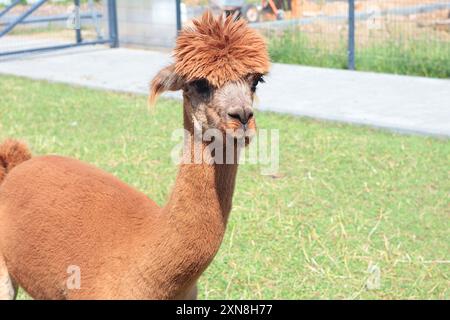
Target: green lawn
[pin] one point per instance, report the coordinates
(420, 57)
(347, 197)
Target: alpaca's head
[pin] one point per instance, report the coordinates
(218, 65)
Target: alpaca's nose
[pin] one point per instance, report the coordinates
(241, 114)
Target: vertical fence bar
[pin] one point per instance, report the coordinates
(112, 23)
(78, 37)
(179, 24)
(351, 35)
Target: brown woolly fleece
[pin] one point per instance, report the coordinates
(59, 215)
(220, 50)
(57, 212)
(12, 153)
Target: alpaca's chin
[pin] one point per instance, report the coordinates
(248, 140)
(242, 134)
(240, 139)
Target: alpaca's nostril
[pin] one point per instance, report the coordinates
(236, 116)
(241, 116)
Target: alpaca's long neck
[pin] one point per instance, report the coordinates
(202, 196)
(203, 190)
(197, 212)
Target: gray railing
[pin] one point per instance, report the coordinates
(10, 23)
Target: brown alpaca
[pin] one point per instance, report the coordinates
(57, 213)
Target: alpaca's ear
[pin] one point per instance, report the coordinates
(165, 80)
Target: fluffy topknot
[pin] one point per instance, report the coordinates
(220, 50)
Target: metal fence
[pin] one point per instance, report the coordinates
(400, 36)
(42, 25)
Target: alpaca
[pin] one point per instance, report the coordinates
(71, 231)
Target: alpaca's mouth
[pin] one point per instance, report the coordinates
(242, 134)
(237, 127)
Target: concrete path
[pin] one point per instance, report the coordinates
(400, 103)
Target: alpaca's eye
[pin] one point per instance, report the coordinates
(257, 79)
(201, 86)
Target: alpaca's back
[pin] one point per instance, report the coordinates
(95, 220)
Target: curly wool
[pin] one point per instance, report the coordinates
(12, 153)
(220, 50)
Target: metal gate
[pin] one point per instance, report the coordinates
(45, 25)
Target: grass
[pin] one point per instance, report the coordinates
(297, 48)
(347, 197)
(409, 57)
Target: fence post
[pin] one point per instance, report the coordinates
(351, 35)
(77, 19)
(112, 24)
(178, 5)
